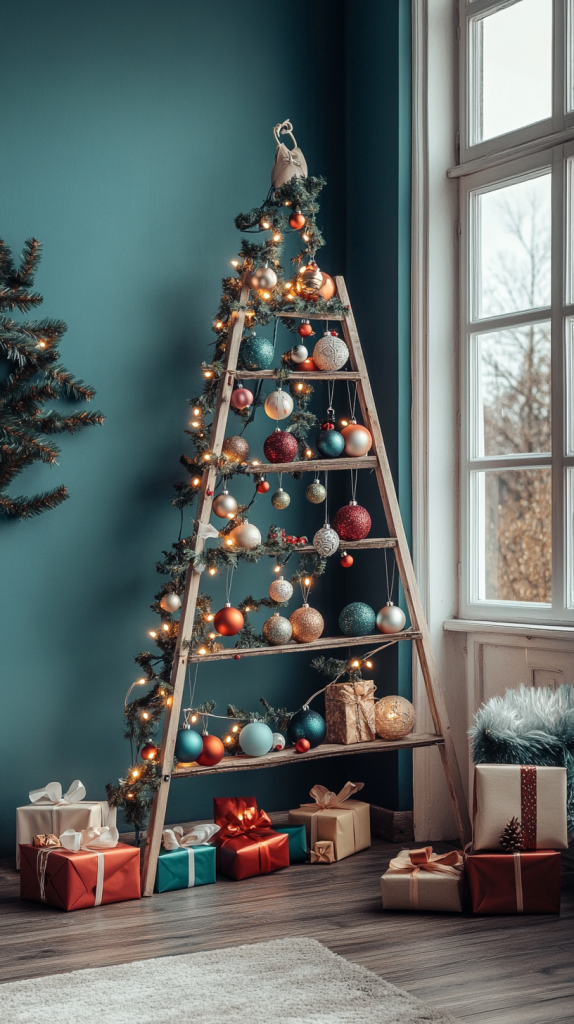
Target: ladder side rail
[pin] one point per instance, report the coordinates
(187, 618)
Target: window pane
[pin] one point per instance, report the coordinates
(513, 390)
(512, 248)
(512, 62)
(516, 541)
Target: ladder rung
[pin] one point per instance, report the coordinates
(358, 545)
(315, 375)
(323, 643)
(313, 465)
(311, 316)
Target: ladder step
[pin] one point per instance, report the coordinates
(315, 375)
(323, 643)
(359, 545)
(312, 465)
(311, 316)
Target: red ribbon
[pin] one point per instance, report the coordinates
(528, 808)
(251, 824)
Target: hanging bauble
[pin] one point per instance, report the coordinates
(277, 630)
(241, 398)
(307, 725)
(358, 440)
(326, 541)
(262, 486)
(235, 447)
(391, 619)
(330, 443)
(170, 602)
(212, 752)
(225, 505)
(280, 446)
(266, 277)
(327, 289)
(302, 746)
(307, 624)
(357, 619)
(256, 353)
(278, 405)
(394, 718)
(188, 745)
(352, 522)
(296, 220)
(245, 536)
(278, 741)
(280, 499)
(280, 590)
(149, 752)
(298, 354)
(346, 560)
(304, 329)
(309, 280)
(256, 739)
(307, 365)
(315, 493)
(228, 621)
(330, 352)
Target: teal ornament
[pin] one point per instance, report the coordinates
(188, 745)
(257, 354)
(330, 443)
(256, 739)
(307, 725)
(357, 619)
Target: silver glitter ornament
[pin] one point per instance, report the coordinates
(280, 499)
(298, 354)
(391, 619)
(170, 603)
(280, 590)
(277, 630)
(225, 505)
(315, 493)
(330, 352)
(326, 541)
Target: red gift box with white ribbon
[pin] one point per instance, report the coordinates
(514, 883)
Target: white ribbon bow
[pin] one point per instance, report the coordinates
(206, 530)
(52, 794)
(90, 839)
(174, 839)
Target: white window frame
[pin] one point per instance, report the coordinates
(546, 145)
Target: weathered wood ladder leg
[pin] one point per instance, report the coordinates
(418, 619)
(171, 721)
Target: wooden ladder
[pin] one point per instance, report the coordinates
(418, 633)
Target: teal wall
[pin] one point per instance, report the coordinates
(132, 136)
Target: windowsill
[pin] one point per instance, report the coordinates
(527, 630)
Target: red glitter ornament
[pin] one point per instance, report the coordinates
(280, 446)
(228, 621)
(302, 746)
(352, 522)
(346, 560)
(213, 751)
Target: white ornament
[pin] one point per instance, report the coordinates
(278, 741)
(326, 541)
(299, 354)
(391, 619)
(278, 405)
(280, 590)
(264, 277)
(245, 536)
(170, 602)
(330, 352)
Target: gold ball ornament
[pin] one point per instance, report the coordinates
(278, 405)
(280, 590)
(225, 505)
(316, 493)
(307, 624)
(245, 536)
(309, 280)
(277, 630)
(330, 352)
(391, 619)
(280, 499)
(394, 718)
(358, 440)
(236, 448)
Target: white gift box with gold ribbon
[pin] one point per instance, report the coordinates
(51, 812)
(423, 880)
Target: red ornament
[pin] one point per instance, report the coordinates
(237, 657)
(304, 329)
(213, 751)
(308, 365)
(327, 426)
(262, 486)
(149, 752)
(228, 621)
(296, 220)
(280, 446)
(209, 492)
(241, 398)
(301, 746)
(346, 560)
(352, 522)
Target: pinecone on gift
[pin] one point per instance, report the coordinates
(510, 838)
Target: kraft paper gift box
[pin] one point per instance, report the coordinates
(350, 712)
(94, 871)
(298, 853)
(514, 883)
(333, 816)
(536, 796)
(247, 845)
(186, 860)
(423, 880)
(49, 811)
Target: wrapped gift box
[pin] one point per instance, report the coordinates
(74, 881)
(49, 811)
(423, 880)
(335, 817)
(535, 796)
(186, 859)
(514, 883)
(297, 836)
(350, 712)
(247, 845)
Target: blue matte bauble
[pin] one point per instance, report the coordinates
(257, 354)
(188, 745)
(256, 739)
(357, 619)
(307, 725)
(330, 443)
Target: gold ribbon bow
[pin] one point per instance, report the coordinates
(412, 862)
(45, 840)
(323, 852)
(357, 700)
(325, 800)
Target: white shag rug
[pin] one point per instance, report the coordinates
(294, 981)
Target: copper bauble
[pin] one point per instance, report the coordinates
(245, 536)
(394, 718)
(280, 446)
(298, 354)
(262, 486)
(307, 624)
(228, 621)
(358, 440)
(296, 220)
(346, 560)
(277, 630)
(309, 280)
(280, 499)
(241, 398)
(213, 751)
(225, 505)
(304, 329)
(391, 619)
(235, 447)
(330, 352)
(352, 522)
(307, 365)
(327, 289)
(171, 602)
(149, 751)
(278, 405)
(280, 590)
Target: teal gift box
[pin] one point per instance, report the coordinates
(185, 867)
(297, 843)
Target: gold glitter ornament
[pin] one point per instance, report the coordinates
(277, 630)
(316, 493)
(307, 624)
(394, 718)
(280, 499)
(235, 447)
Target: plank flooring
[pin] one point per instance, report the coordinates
(500, 970)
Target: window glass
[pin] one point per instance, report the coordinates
(512, 68)
(512, 247)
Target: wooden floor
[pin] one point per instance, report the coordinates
(505, 970)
